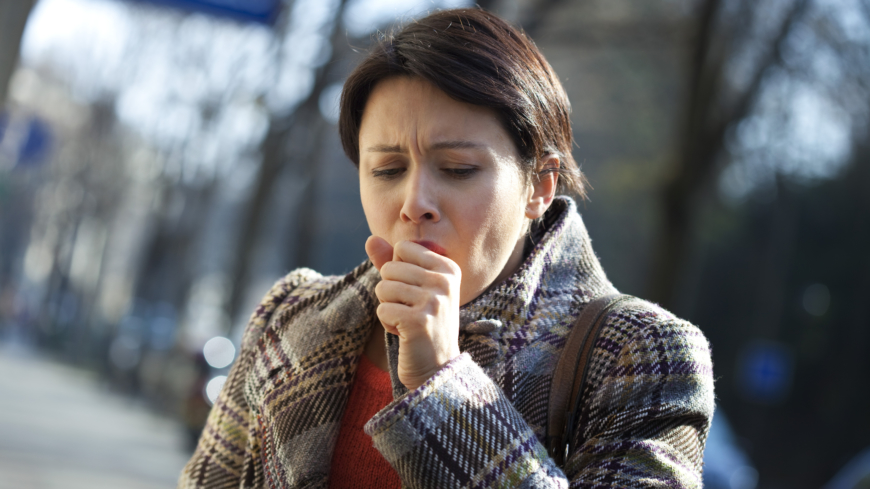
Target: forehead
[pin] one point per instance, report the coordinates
(405, 110)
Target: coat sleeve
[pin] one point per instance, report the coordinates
(644, 423)
(228, 453)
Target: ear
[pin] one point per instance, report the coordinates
(543, 186)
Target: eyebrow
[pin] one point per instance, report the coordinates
(441, 145)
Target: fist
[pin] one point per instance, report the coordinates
(419, 295)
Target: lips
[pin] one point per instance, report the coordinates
(432, 247)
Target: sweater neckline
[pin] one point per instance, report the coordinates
(371, 376)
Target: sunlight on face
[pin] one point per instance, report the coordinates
(441, 171)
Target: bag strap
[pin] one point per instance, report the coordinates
(570, 374)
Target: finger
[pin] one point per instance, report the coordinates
(379, 251)
(405, 272)
(400, 293)
(413, 275)
(392, 315)
(411, 252)
(390, 329)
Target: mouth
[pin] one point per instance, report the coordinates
(432, 247)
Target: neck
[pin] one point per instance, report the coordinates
(516, 258)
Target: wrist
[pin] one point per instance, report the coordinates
(413, 381)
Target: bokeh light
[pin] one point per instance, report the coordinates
(817, 299)
(213, 388)
(219, 352)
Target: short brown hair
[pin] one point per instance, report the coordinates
(474, 57)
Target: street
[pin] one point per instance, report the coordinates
(60, 429)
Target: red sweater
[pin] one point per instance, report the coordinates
(356, 464)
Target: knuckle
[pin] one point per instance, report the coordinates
(442, 302)
(419, 310)
(383, 309)
(431, 304)
(440, 281)
(380, 289)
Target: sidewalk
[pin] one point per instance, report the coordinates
(59, 429)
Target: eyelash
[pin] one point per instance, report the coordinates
(461, 173)
(456, 173)
(387, 174)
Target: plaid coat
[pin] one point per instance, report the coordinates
(479, 421)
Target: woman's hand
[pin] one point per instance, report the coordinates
(419, 297)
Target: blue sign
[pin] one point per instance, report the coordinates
(765, 371)
(36, 144)
(260, 11)
(24, 139)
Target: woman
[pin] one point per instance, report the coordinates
(476, 273)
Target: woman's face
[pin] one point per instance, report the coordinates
(445, 174)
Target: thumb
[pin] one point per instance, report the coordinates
(379, 251)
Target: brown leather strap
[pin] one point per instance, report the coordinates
(570, 373)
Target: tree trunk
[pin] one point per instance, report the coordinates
(274, 158)
(706, 124)
(13, 19)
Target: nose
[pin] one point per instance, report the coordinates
(420, 199)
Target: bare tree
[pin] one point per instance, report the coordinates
(710, 112)
(304, 124)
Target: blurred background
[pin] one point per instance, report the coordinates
(162, 163)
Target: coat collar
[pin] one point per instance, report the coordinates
(562, 256)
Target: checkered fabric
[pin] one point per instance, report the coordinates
(479, 422)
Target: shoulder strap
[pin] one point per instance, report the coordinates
(570, 373)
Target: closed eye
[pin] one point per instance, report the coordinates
(387, 173)
(461, 173)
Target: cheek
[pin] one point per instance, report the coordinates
(505, 229)
(374, 209)
(382, 208)
(508, 207)
(497, 218)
